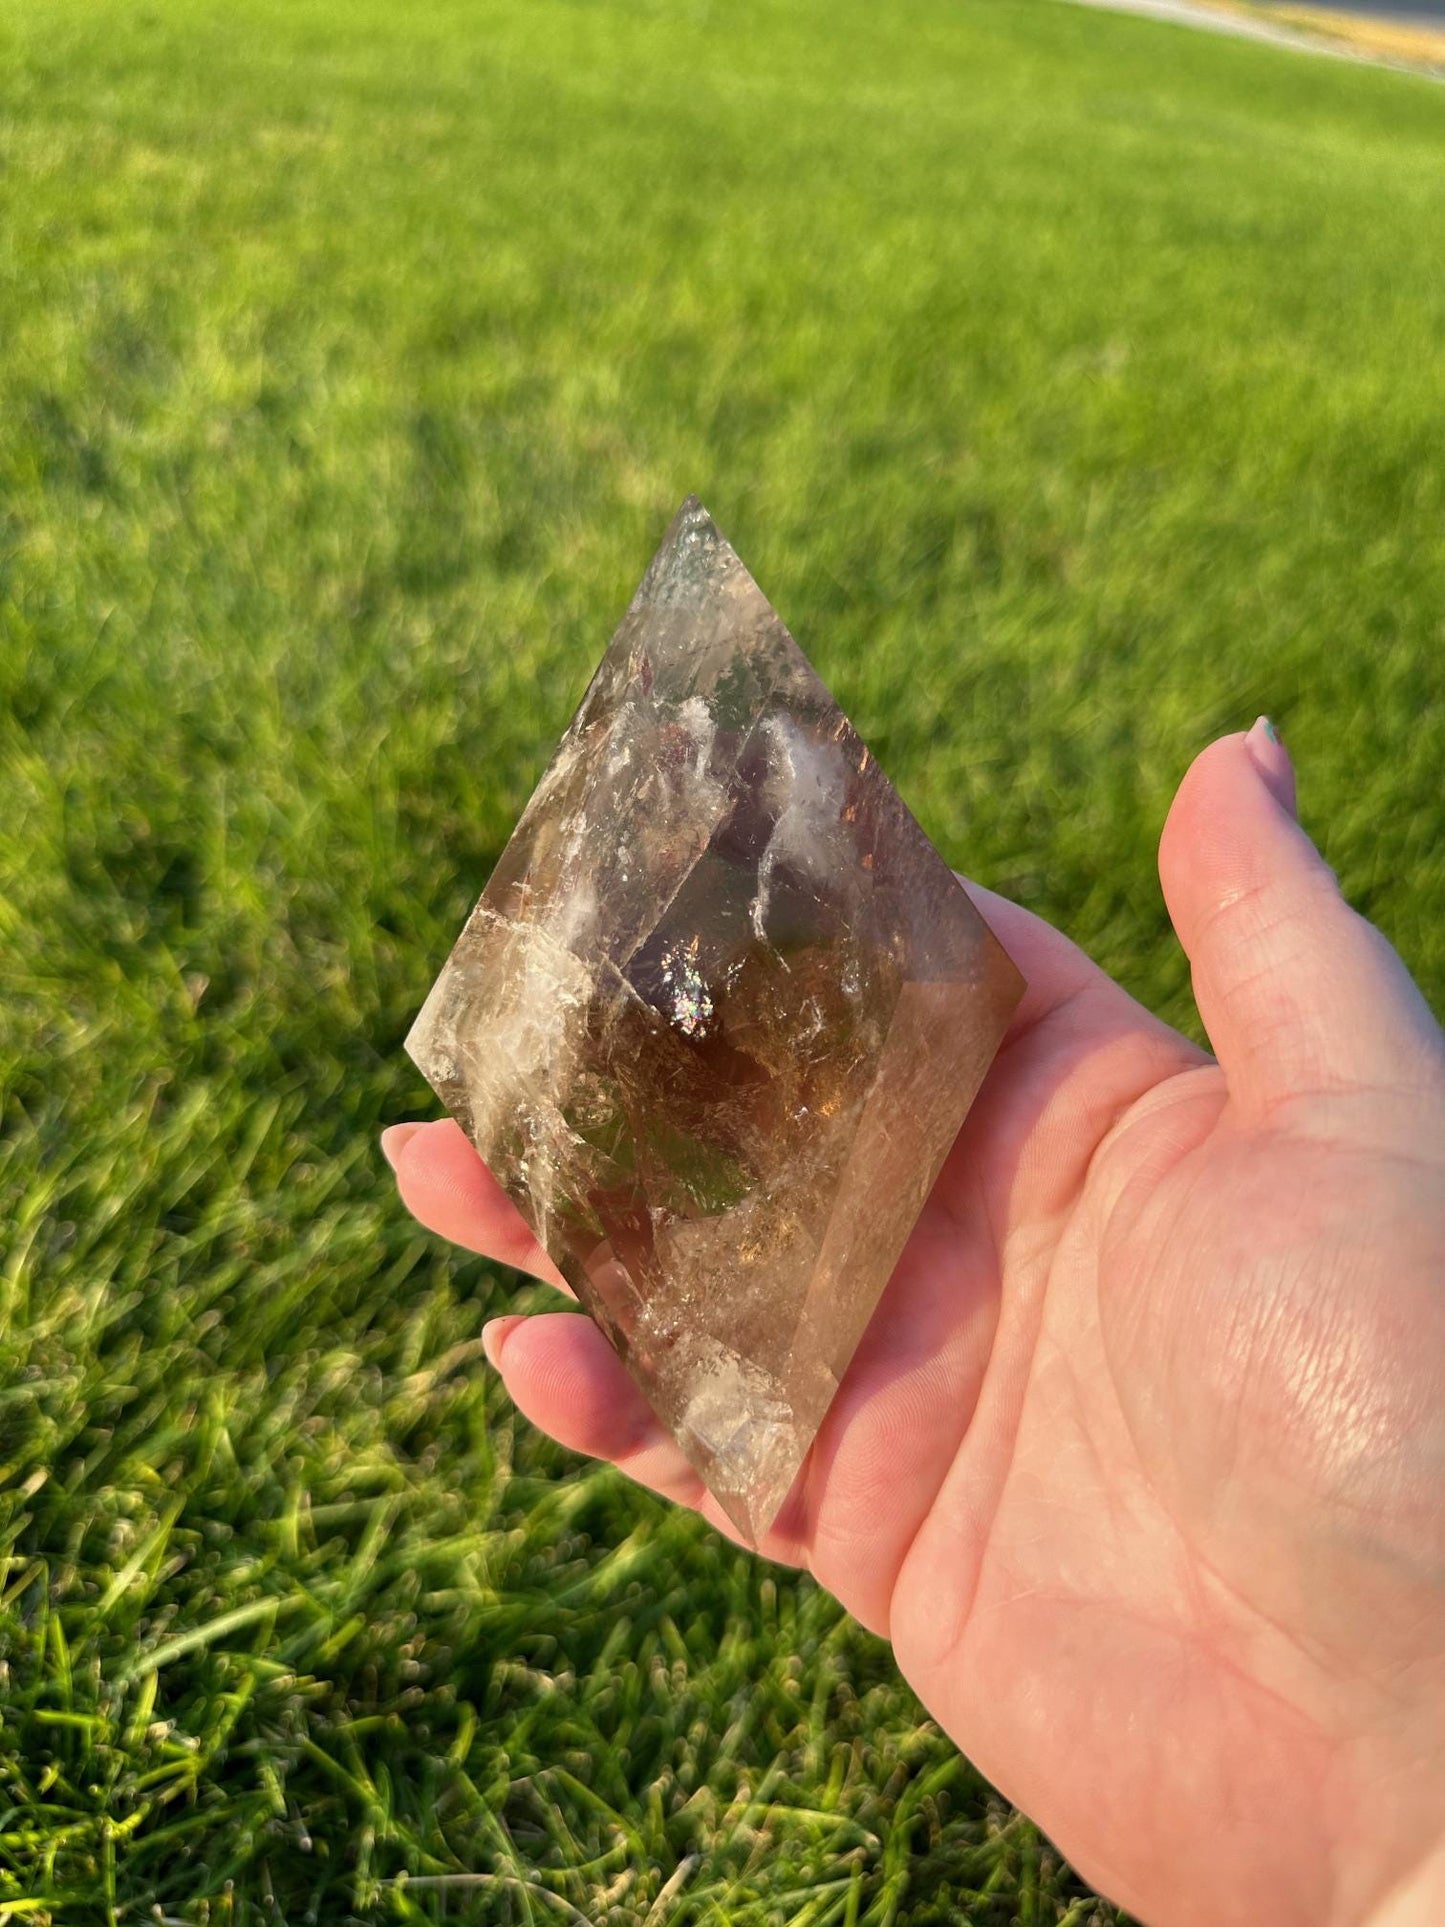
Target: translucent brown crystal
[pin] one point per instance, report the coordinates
(717, 1019)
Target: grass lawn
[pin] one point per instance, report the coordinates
(1075, 387)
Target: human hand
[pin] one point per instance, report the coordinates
(1141, 1463)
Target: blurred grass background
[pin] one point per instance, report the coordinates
(1072, 384)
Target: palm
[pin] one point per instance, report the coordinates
(1156, 1454)
(1099, 1428)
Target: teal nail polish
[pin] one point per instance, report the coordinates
(1269, 729)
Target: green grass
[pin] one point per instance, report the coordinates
(1074, 386)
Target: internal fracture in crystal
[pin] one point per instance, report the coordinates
(717, 1019)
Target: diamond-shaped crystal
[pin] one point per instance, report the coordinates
(717, 1018)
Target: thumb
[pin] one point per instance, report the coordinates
(1300, 995)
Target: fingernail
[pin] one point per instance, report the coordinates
(394, 1139)
(495, 1335)
(1272, 760)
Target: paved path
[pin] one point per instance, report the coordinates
(1400, 13)
(1186, 13)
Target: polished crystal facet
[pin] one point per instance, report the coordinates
(717, 1019)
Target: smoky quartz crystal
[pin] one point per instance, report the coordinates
(717, 1018)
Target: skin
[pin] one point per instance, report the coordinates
(1141, 1464)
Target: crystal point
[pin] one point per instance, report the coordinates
(717, 1019)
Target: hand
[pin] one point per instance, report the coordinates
(1141, 1464)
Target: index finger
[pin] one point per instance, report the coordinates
(445, 1186)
